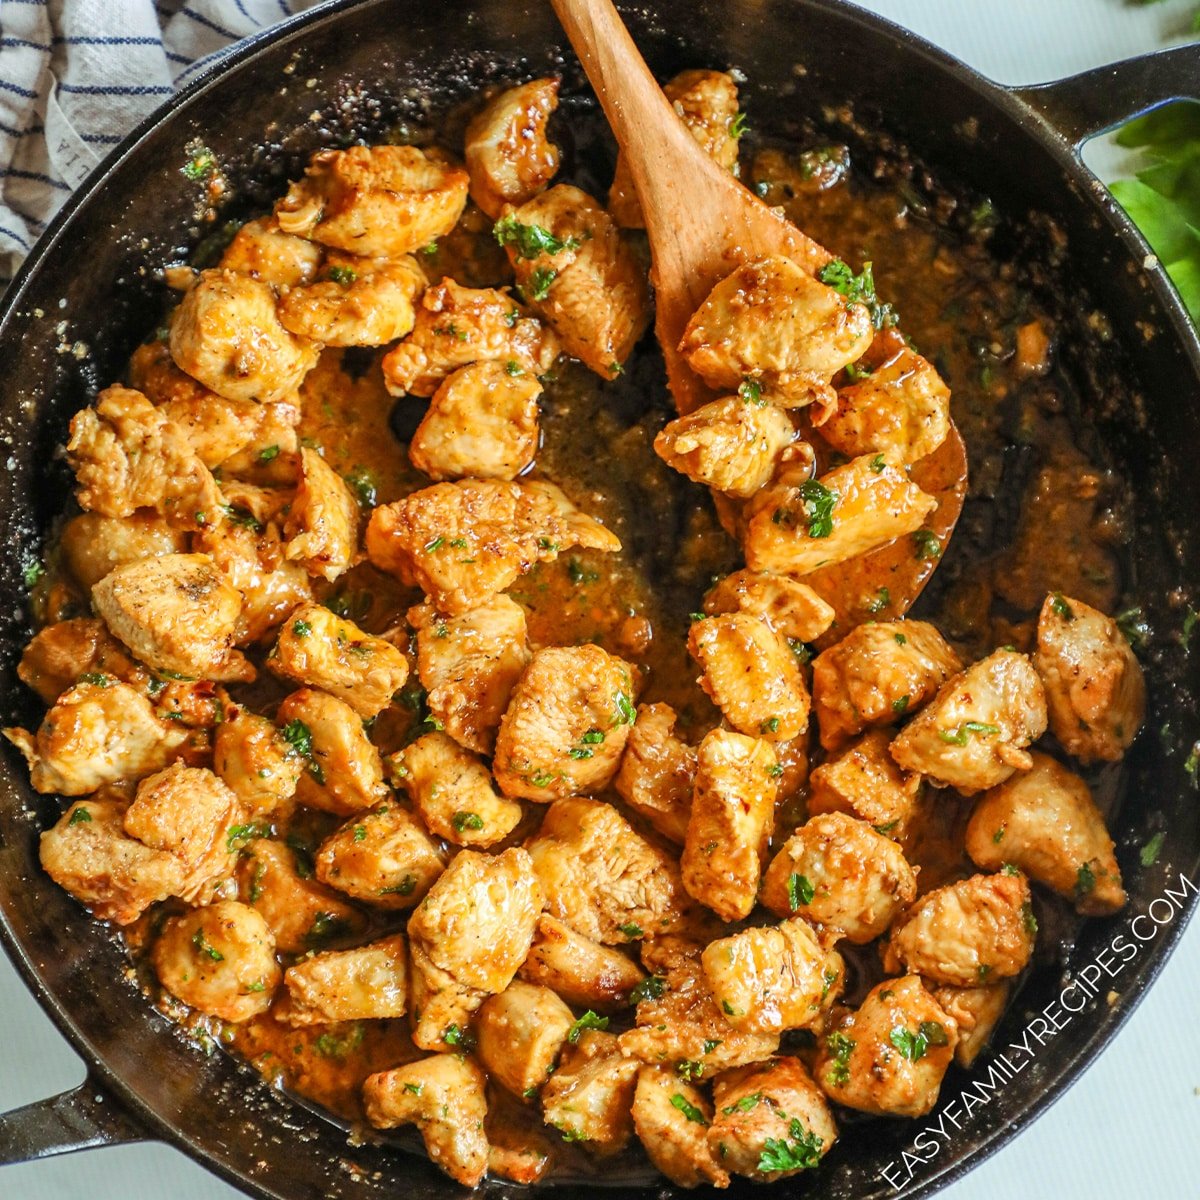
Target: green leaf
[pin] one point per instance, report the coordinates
(688, 1109)
(1162, 221)
(589, 1020)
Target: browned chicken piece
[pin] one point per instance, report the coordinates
(707, 103)
(384, 857)
(1045, 822)
(344, 771)
(127, 454)
(671, 1118)
(732, 444)
(839, 873)
(797, 524)
(888, 1057)
(771, 978)
(441, 1008)
(974, 733)
(355, 301)
(573, 266)
(218, 960)
(226, 334)
(458, 325)
(469, 665)
(452, 791)
(322, 523)
(261, 249)
(59, 655)
(176, 613)
(519, 1142)
(751, 674)
(252, 757)
(463, 542)
(382, 201)
(864, 781)
(444, 1097)
(770, 1120)
(477, 921)
(733, 811)
(584, 973)
(93, 544)
(589, 1097)
(900, 410)
(658, 772)
(566, 724)
(507, 153)
(521, 1032)
(789, 607)
(976, 1011)
(366, 983)
(977, 929)
(771, 322)
(318, 648)
(601, 877)
(878, 674)
(97, 733)
(1095, 690)
(482, 422)
(277, 882)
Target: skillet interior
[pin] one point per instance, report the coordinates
(382, 61)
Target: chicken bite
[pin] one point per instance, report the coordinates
(59, 655)
(252, 757)
(589, 1097)
(976, 1011)
(93, 544)
(520, 1033)
(519, 1145)
(362, 984)
(671, 1118)
(263, 251)
(864, 781)
(322, 523)
(441, 1007)
(584, 973)
(791, 608)
(658, 772)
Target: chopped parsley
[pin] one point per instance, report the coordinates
(80, 817)
(688, 1109)
(626, 713)
(914, 1046)
(268, 453)
(205, 947)
(879, 601)
(928, 544)
(1189, 626)
(458, 1037)
(343, 275)
(998, 836)
(414, 1089)
(745, 1104)
(1061, 608)
(802, 1152)
(770, 725)
(858, 289)
(541, 280)
(898, 706)
(1085, 880)
(650, 988)
(299, 737)
(775, 771)
(1133, 624)
(434, 544)
(32, 573)
(530, 241)
(878, 463)
(738, 126)
(589, 1020)
(301, 628)
(202, 163)
(689, 1069)
(365, 487)
(330, 1045)
(95, 678)
(1150, 851)
(512, 367)
(466, 820)
(840, 1046)
(240, 836)
(800, 891)
(818, 502)
(960, 735)
(751, 391)
(241, 516)
(1028, 919)
(631, 930)
(901, 640)
(404, 888)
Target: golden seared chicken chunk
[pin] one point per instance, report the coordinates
(671, 1118)
(981, 928)
(507, 153)
(976, 1011)
(444, 1097)
(520, 1148)
(463, 542)
(452, 791)
(456, 326)
(582, 972)
(261, 249)
(343, 771)
(322, 650)
(93, 544)
(355, 301)
(520, 1033)
(751, 674)
(381, 201)
(900, 410)
(797, 524)
(773, 977)
(770, 1120)
(838, 872)
(97, 732)
(218, 960)
(864, 781)
(1095, 691)
(888, 1057)
(322, 523)
(566, 724)
(385, 857)
(252, 757)
(481, 422)
(366, 983)
(773, 323)
(731, 444)
(974, 732)
(469, 665)
(878, 674)
(601, 877)
(658, 772)
(441, 1007)
(733, 812)
(127, 454)
(59, 655)
(1045, 822)
(176, 613)
(226, 334)
(707, 103)
(789, 607)
(574, 267)
(589, 1097)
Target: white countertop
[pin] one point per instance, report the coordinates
(1131, 1126)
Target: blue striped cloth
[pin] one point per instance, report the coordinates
(77, 75)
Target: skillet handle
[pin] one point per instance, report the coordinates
(1081, 106)
(80, 1119)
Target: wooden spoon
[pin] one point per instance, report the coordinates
(702, 224)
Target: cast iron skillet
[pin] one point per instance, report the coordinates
(89, 293)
